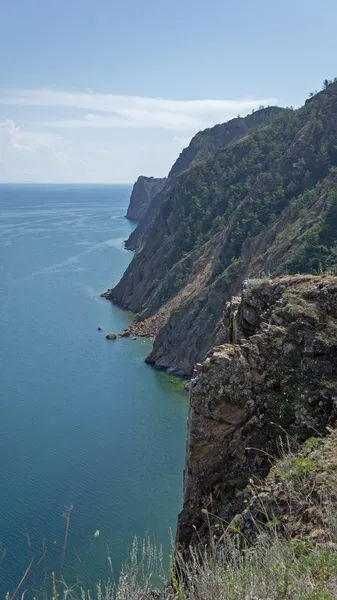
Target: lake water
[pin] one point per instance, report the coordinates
(83, 420)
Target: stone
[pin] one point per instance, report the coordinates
(111, 336)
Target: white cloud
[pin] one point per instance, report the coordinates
(27, 155)
(115, 111)
(90, 137)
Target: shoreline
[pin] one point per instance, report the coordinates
(147, 328)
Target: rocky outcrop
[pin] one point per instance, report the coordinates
(143, 192)
(111, 336)
(279, 382)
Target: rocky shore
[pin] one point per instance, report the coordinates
(145, 328)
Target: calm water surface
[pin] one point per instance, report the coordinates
(84, 421)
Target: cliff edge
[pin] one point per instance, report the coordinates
(276, 381)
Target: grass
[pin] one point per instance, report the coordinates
(271, 569)
(282, 547)
(274, 569)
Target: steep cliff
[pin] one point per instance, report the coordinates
(265, 203)
(143, 191)
(202, 146)
(278, 383)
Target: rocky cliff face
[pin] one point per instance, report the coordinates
(279, 381)
(143, 191)
(265, 203)
(137, 238)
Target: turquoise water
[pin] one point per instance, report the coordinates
(84, 421)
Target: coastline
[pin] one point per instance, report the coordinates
(146, 328)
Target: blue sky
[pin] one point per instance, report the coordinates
(106, 91)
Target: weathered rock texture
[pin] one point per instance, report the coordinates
(280, 380)
(143, 191)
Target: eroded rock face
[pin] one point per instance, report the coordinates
(280, 380)
(143, 191)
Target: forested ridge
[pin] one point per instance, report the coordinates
(265, 203)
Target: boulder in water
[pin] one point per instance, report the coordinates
(111, 336)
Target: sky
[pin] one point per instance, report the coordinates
(105, 91)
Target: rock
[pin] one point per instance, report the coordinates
(111, 336)
(99, 328)
(125, 334)
(250, 399)
(133, 337)
(143, 191)
(106, 294)
(192, 382)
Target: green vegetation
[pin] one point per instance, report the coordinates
(206, 143)
(299, 467)
(277, 184)
(257, 179)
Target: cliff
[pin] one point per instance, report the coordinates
(202, 146)
(143, 191)
(276, 387)
(264, 203)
